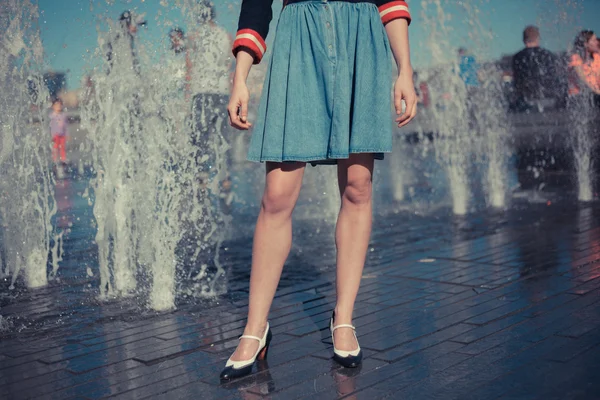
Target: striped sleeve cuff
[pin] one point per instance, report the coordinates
(394, 10)
(249, 39)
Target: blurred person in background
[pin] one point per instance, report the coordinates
(508, 90)
(208, 77)
(59, 130)
(583, 102)
(175, 72)
(124, 65)
(538, 83)
(122, 48)
(468, 69)
(177, 39)
(584, 69)
(469, 72)
(179, 66)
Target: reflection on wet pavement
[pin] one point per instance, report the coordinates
(492, 305)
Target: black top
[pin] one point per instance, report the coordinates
(536, 74)
(256, 15)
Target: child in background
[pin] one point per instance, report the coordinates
(58, 129)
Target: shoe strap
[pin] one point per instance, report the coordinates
(255, 337)
(250, 337)
(343, 326)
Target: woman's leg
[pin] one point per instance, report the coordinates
(352, 239)
(272, 244)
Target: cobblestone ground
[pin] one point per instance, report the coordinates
(499, 304)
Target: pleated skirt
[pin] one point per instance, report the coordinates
(327, 91)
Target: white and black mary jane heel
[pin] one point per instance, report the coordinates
(238, 369)
(348, 359)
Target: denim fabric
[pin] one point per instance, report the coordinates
(327, 92)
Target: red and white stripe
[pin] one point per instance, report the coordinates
(252, 40)
(394, 10)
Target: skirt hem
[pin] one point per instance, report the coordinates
(323, 158)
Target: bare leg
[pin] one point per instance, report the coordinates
(272, 244)
(352, 239)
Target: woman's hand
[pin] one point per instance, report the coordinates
(404, 89)
(238, 106)
(240, 96)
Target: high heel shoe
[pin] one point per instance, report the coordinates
(348, 359)
(237, 369)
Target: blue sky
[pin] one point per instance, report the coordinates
(69, 28)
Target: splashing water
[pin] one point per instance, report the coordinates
(158, 176)
(468, 117)
(398, 180)
(582, 144)
(321, 187)
(27, 203)
(582, 111)
(454, 144)
(493, 148)
(5, 324)
(489, 114)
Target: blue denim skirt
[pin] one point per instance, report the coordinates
(327, 91)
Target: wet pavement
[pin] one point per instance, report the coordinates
(498, 304)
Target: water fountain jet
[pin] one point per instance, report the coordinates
(27, 203)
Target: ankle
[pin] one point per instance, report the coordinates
(255, 329)
(342, 316)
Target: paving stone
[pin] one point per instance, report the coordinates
(337, 378)
(499, 312)
(465, 386)
(578, 379)
(432, 351)
(489, 329)
(408, 342)
(506, 309)
(578, 346)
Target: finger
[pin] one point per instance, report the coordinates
(405, 122)
(410, 117)
(402, 116)
(398, 103)
(241, 124)
(234, 118)
(231, 112)
(410, 103)
(229, 108)
(412, 107)
(407, 113)
(244, 111)
(414, 112)
(409, 107)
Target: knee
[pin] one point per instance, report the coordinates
(277, 201)
(358, 191)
